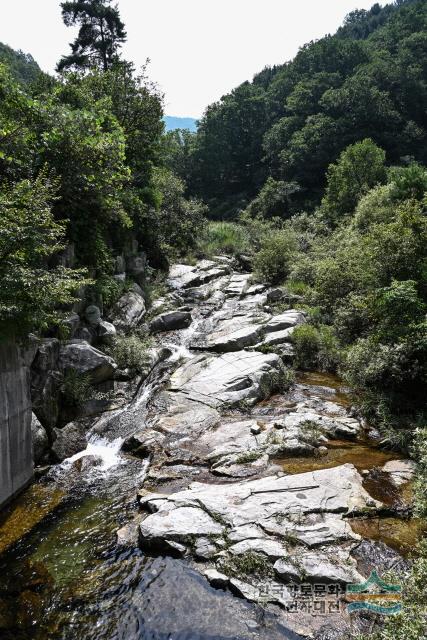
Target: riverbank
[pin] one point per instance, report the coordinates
(223, 477)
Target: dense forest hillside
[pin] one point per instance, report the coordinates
(292, 121)
(82, 165)
(317, 169)
(22, 66)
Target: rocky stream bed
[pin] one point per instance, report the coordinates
(216, 500)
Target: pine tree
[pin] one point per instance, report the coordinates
(100, 36)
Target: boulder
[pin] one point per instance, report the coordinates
(40, 440)
(230, 378)
(232, 334)
(69, 441)
(93, 315)
(83, 358)
(171, 321)
(291, 318)
(276, 338)
(88, 334)
(136, 266)
(278, 504)
(119, 265)
(128, 311)
(239, 283)
(182, 276)
(401, 471)
(274, 295)
(106, 332)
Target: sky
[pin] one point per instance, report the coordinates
(199, 49)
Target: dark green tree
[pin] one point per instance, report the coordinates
(100, 36)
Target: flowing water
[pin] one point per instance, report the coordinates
(62, 575)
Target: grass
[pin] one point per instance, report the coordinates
(224, 237)
(76, 387)
(311, 431)
(130, 352)
(248, 457)
(247, 564)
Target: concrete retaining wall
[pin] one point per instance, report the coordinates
(16, 458)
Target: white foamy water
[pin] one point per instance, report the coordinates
(108, 451)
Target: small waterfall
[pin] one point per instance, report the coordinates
(107, 451)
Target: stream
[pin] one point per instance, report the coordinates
(62, 573)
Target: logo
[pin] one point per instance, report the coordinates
(374, 595)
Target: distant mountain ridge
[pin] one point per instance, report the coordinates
(22, 65)
(173, 122)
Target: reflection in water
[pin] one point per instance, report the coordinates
(362, 455)
(399, 534)
(64, 578)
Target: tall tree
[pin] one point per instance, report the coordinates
(100, 36)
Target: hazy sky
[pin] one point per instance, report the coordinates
(199, 49)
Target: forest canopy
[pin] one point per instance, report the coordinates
(292, 121)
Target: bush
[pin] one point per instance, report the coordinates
(274, 199)
(76, 387)
(273, 261)
(316, 348)
(224, 237)
(130, 352)
(110, 290)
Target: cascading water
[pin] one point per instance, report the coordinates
(68, 578)
(104, 450)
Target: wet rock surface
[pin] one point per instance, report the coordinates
(246, 484)
(213, 437)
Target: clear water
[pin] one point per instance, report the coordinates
(63, 577)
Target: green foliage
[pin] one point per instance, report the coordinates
(247, 564)
(22, 66)
(316, 348)
(30, 293)
(408, 182)
(368, 81)
(109, 290)
(76, 387)
(359, 168)
(100, 36)
(130, 352)
(247, 458)
(411, 623)
(419, 452)
(179, 223)
(272, 263)
(282, 381)
(223, 237)
(274, 200)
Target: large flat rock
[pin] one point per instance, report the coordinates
(336, 491)
(295, 525)
(182, 276)
(229, 378)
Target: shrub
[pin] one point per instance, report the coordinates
(274, 199)
(224, 237)
(110, 290)
(316, 348)
(130, 352)
(76, 387)
(273, 261)
(247, 564)
(248, 457)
